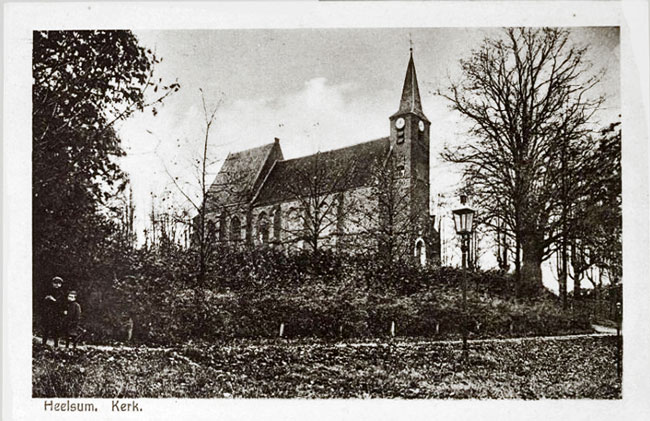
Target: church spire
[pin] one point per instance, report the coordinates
(410, 101)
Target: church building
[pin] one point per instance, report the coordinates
(371, 196)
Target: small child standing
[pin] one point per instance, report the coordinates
(72, 317)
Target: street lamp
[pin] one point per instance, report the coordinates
(463, 221)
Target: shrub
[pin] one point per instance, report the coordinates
(249, 293)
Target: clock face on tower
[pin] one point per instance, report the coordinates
(421, 125)
(399, 123)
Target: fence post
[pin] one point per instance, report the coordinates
(392, 328)
(619, 341)
(281, 329)
(129, 329)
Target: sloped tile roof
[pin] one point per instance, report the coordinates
(330, 171)
(235, 181)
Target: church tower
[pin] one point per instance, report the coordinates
(409, 140)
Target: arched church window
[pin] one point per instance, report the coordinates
(210, 230)
(263, 228)
(277, 224)
(222, 226)
(420, 251)
(235, 229)
(340, 214)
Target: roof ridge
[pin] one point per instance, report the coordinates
(359, 155)
(334, 150)
(251, 149)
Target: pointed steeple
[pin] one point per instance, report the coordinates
(410, 102)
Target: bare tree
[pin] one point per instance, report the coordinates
(597, 230)
(203, 230)
(527, 95)
(389, 222)
(318, 186)
(167, 221)
(503, 245)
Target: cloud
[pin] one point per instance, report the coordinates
(318, 117)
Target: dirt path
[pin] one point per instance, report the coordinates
(481, 341)
(601, 331)
(39, 340)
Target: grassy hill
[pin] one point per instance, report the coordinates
(251, 294)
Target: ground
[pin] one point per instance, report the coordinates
(579, 366)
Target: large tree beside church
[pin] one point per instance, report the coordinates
(83, 83)
(528, 95)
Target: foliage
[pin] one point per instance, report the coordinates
(249, 293)
(522, 369)
(598, 237)
(84, 82)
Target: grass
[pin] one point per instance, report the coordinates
(582, 367)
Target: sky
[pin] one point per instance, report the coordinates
(315, 89)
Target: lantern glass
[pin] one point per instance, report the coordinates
(469, 221)
(463, 220)
(457, 222)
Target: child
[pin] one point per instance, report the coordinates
(53, 306)
(72, 316)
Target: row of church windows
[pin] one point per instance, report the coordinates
(231, 230)
(263, 228)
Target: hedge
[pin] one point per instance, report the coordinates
(250, 293)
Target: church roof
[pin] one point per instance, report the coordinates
(331, 171)
(262, 176)
(411, 102)
(236, 180)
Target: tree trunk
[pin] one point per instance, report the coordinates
(518, 260)
(564, 268)
(531, 268)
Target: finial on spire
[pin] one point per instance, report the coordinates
(410, 44)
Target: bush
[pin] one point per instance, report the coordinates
(250, 293)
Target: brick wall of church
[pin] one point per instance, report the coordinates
(282, 224)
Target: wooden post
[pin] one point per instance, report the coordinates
(437, 328)
(281, 329)
(619, 341)
(392, 328)
(129, 329)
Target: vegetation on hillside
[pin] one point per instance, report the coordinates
(84, 83)
(251, 293)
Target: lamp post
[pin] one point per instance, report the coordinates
(463, 222)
